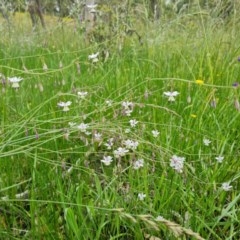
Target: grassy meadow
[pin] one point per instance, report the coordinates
(140, 141)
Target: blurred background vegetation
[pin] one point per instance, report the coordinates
(156, 9)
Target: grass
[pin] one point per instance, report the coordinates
(53, 184)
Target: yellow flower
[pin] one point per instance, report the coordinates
(193, 115)
(199, 82)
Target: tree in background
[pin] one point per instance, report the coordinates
(35, 10)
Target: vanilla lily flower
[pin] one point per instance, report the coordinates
(65, 105)
(226, 186)
(82, 95)
(127, 108)
(109, 143)
(171, 95)
(94, 57)
(15, 81)
(177, 163)
(107, 160)
(219, 159)
(159, 218)
(120, 152)
(131, 144)
(128, 112)
(138, 164)
(83, 128)
(141, 196)
(206, 142)
(155, 133)
(126, 105)
(133, 122)
(127, 130)
(98, 137)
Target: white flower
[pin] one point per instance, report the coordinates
(97, 137)
(65, 105)
(120, 152)
(109, 103)
(171, 95)
(94, 57)
(133, 122)
(15, 81)
(219, 159)
(155, 133)
(107, 160)
(128, 112)
(82, 95)
(141, 196)
(127, 130)
(131, 144)
(109, 144)
(159, 218)
(83, 127)
(126, 105)
(226, 186)
(206, 142)
(177, 163)
(138, 164)
(127, 108)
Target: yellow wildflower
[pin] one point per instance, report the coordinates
(199, 82)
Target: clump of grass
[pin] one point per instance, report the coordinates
(146, 146)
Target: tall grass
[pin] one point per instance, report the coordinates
(53, 184)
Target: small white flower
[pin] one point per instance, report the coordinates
(94, 57)
(219, 159)
(206, 142)
(127, 130)
(109, 103)
(128, 112)
(120, 152)
(138, 164)
(107, 160)
(109, 143)
(126, 105)
(141, 196)
(131, 144)
(171, 95)
(65, 105)
(155, 133)
(133, 122)
(98, 137)
(177, 163)
(82, 95)
(15, 81)
(83, 127)
(159, 218)
(226, 186)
